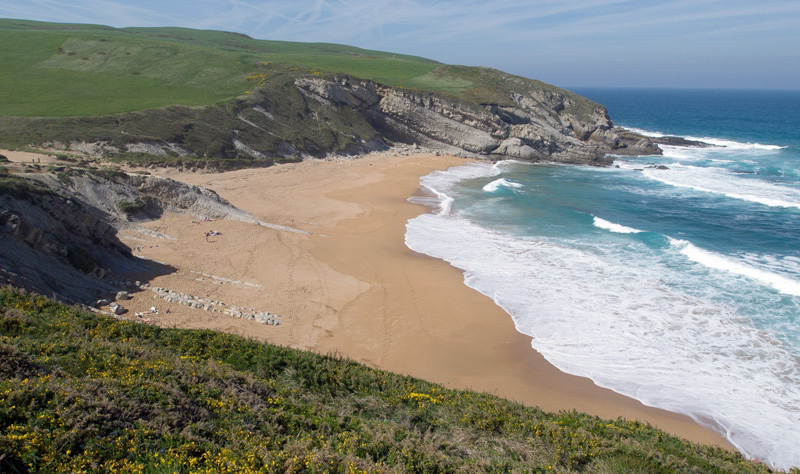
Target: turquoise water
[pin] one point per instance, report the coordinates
(679, 286)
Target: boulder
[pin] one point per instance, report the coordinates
(516, 148)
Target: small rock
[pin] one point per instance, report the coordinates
(123, 295)
(100, 302)
(117, 309)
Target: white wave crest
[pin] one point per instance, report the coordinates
(720, 181)
(719, 142)
(612, 227)
(731, 144)
(647, 133)
(718, 262)
(440, 183)
(498, 183)
(634, 324)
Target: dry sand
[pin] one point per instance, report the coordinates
(351, 286)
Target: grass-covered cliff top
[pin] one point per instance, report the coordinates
(86, 393)
(63, 70)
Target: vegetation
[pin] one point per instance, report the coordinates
(59, 70)
(54, 69)
(81, 392)
(16, 186)
(132, 207)
(81, 259)
(204, 99)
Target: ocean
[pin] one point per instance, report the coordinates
(672, 279)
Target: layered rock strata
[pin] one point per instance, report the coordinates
(539, 126)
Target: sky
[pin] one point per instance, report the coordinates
(738, 44)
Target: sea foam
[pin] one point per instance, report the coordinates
(635, 319)
(717, 142)
(718, 262)
(612, 227)
(724, 182)
(500, 183)
(439, 183)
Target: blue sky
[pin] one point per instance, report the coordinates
(570, 43)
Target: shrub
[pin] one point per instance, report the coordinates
(132, 207)
(82, 392)
(81, 259)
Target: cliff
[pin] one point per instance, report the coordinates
(182, 97)
(294, 117)
(58, 230)
(52, 244)
(532, 123)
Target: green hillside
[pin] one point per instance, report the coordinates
(224, 100)
(87, 393)
(61, 70)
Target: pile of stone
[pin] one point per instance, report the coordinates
(171, 296)
(253, 315)
(214, 306)
(115, 308)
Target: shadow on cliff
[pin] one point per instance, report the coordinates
(54, 245)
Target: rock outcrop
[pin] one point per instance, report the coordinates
(534, 125)
(503, 117)
(58, 232)
(55, 245)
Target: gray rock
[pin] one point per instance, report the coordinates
(122, 295)
(537, 122)
(516, 148)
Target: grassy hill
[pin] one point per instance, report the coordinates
(78, 70)
(225, 100)
(87, 393)
(55, 69)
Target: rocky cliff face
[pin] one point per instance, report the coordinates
(58, 232)
(54, 245)
(317, 116)
(535, 125)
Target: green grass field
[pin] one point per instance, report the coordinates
(88, 393)
(80, 70)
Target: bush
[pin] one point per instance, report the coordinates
(67, 158)
(109, 174)
(132, 207)
(84, 392)
(79, 258)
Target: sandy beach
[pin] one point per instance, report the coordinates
(347, 284)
